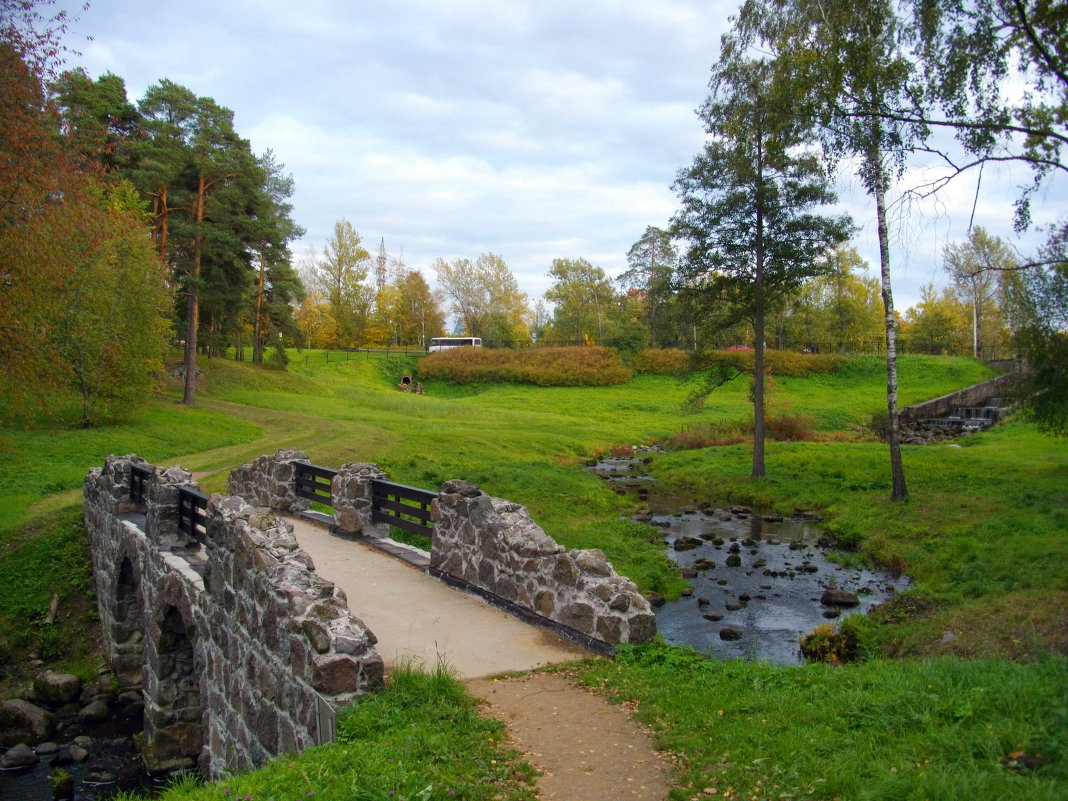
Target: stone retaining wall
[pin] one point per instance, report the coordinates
(243, 649)
(977, 395)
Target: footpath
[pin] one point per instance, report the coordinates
(585, 748)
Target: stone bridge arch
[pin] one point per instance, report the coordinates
(174, 667)
(127, 619)
(241, 650)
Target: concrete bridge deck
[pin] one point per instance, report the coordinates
(419, 619)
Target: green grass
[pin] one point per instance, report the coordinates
(42, 462)
(943, 729)
(985, 525)
(38, 562)
(421, 739)
(983, 536)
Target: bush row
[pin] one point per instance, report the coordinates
(783, 363)
(670, 361)
(544, 367)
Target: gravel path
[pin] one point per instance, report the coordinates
(585, 748)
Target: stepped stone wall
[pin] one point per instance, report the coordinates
(977, 395)
(493, 544)
(241, 649)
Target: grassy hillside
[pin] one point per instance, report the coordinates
(984, 536)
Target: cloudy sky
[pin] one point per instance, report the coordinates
(533, 129)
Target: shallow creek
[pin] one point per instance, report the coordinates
(762, 575)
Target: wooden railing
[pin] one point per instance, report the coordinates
(405, 507)
(314, 482)
(138, 476)
(401, 506)
(192, 513)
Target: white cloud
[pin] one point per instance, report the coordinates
(453, 127)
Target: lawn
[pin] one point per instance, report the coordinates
(983, 537)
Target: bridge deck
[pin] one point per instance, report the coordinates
(420, 619)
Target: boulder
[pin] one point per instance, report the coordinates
(21, 721)
(18, 756)
(96, 712)
(730, 633)
(837, 597)
(56, 689)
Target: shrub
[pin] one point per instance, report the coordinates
(543, 367)
(783, 428)
(665, 361)
(790, 427)
(782, 363)
(824, 644)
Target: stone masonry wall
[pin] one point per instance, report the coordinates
(351, 490)
(977, 395)
(270, 481)
(239, 640)
(493, 544)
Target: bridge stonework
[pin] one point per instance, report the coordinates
(242, 651)
(493, 544)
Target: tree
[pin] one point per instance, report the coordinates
(98, 119)
(839, 309)
(192, 160)
(1037, 307)
(997, 70)
(340, 274)
(485, 298)
(278, 286)
(840, 63)
(747, 202)
(316, 323)
(652, 261)
(112, 334)
(975, 267)
(418, 310)
(937, 324)
(584, 300)
(80, 297)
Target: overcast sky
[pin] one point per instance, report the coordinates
(533, 129)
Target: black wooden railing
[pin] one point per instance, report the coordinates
(138, 476)
(314, 482)
(192, 513)
(404, 507)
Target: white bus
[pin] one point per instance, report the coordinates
(446, 343)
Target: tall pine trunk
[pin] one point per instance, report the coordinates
(899, 492)
(257, 328)
(192, 301)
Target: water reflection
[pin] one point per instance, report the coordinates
(763, 578)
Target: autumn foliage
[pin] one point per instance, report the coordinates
(543, 367)
(83, 300)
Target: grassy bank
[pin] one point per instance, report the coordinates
(942, 730)
(983, 534)
(420, 740)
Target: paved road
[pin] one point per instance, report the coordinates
(417, 618)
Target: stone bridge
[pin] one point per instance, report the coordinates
(243, 651)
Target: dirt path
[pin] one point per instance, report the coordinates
(585, 748)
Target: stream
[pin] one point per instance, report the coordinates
(759, 581)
